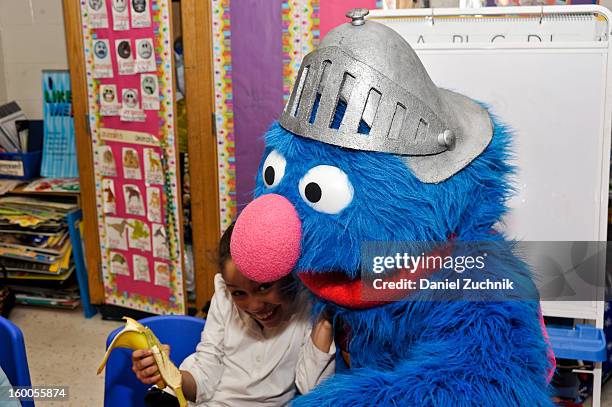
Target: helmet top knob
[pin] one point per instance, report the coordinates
(357, 15)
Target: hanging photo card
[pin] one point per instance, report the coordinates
(109, 102)
(125, 58)
(154, 213)
(145, 55)
(103, 67)
(130, 108)
(107, 161)
(149, 90)
(160, 242)
(108, 191)
(134, 204)
(141, 14)
(118, 264)
(154, 173)
(162, 274)
(131, 163)
(116, 233)
(139, 235)
(98, 18)
(141, 268)
(121, 15)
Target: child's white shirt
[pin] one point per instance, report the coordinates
(237, 363)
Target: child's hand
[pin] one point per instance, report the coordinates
(143, 364)
(322, 334)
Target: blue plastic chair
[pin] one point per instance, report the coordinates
(121, 388)
(13, 359)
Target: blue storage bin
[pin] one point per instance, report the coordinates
(23, 166)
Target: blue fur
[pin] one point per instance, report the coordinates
(419, 352)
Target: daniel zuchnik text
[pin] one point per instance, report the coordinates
(446, 284)
(459, 264)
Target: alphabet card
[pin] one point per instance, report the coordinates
(139, 235)
(119, 264)
(116, 233)
(108, 190)
(125, 58)
(134, 204)
(141, 268)
(109, 103)
(130, 106)
(131, 163)
(149, 90)
(162, 274)
(103, 67)
(154, 173)
(98, 17)
(160, 242)
(121, 15)
(107, 161)
(154, 212)
(141, 14)
(145, 55)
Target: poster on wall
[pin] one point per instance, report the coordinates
(59, 148)
(131, 103)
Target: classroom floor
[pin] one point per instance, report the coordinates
(64, 348)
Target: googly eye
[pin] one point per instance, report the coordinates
(326, 189)
(273, 169)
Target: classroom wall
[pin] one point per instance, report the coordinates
(32, 39)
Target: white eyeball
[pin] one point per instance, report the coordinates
(326, 189)
(273, 169)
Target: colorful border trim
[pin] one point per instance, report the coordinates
(300, 36)
(224, 113)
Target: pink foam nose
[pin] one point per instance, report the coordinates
(265, 243)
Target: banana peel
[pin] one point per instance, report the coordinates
(137, 336)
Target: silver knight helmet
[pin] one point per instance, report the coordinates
(388, 102)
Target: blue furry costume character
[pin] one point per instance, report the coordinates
(438, 176)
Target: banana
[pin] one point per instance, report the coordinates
(137, 336)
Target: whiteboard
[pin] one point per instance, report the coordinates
(544, 71)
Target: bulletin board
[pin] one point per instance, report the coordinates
(128, 63)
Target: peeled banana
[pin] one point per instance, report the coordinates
(137, 336)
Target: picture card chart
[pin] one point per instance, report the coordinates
(128, 51)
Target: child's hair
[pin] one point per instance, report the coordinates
(224, 246)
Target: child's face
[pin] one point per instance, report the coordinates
(267, 303)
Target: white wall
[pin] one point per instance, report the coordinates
(2, 78)
(31, 39)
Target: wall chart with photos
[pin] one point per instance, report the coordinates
(128, 52)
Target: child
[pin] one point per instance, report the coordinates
(258, 344)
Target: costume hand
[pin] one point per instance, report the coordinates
(144, 366)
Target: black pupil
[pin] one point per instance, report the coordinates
(269, 175)
(313, 192)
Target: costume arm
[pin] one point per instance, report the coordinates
(493, 356)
